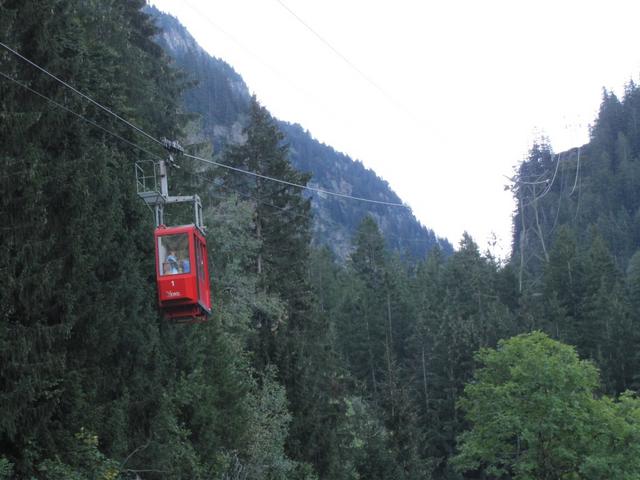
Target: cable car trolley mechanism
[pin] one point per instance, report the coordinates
(182, 267)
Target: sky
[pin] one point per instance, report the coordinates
(443, 99)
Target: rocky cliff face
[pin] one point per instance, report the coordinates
(221, 98)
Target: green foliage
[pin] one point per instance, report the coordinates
(309, 368)
(534, 415)
(86, 462)
(6, 469)
(366, 447)
(269, 429)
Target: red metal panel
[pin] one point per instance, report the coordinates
(206, 297)
(177, 287)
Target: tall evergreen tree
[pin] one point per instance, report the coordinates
(296, 337)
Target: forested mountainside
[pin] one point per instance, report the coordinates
(586, 194)
(381, 367)
(218, 94)
(221, 99)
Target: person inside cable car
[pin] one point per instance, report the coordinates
(172, 260)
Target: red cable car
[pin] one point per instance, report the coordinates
(182, 266)
(182, 271)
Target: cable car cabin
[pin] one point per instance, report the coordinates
(182, 271)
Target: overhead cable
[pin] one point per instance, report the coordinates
(549, 183)
(275, 71)
(235, 169)
(575, 183)
(81, 117)
(297, 185)
(295, 214)
(86, 97)
(346, 60)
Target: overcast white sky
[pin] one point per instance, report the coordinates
(441, 98)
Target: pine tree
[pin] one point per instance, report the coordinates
(363, 331)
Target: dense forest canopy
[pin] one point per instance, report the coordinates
(311, 366)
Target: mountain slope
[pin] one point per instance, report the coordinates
(221, 99)
(583, 194)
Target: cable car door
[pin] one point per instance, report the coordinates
(203, 290)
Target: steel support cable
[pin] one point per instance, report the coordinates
(248, 51)
(81, 117)
(387, 95)
(524, 182)
(292, 213)
(550, 184)
(249, 196)
(575, 183)
(296, 185)
(515, 179)
(86, 97)
(239, 170)
(553, 179)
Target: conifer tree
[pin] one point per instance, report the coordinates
(362, 327)
(295, 338)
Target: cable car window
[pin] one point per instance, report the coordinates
(173, 253)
